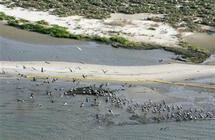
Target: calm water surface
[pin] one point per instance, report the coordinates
(89, 52)
(41, 119)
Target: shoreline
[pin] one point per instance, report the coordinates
(11, 32)
(165, 73)
(187, 52)
(135, 29)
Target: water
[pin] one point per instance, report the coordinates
(55, 121)
(88, 52)
(41, 119)
(204, 40)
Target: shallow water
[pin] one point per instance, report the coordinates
(41, 119)
(88, 52)
(203, 40)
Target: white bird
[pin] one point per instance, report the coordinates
(79, 48)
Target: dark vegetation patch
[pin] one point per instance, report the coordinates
(179, 13)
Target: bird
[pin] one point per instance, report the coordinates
(20, 100)
(82, 105)
(70, 69)
(47, 62)
(160, 60)
(79, 48)
(33, 79)
(104, 71)
(32, 95)
(84, 76)
(33, 68)
(110, 111)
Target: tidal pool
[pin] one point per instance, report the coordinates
(203, 40)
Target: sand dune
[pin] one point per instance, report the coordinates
(129, 26)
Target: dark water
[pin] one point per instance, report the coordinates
(88, 52)
(41, 119)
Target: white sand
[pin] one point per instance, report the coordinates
(165, 72)
(134, 27)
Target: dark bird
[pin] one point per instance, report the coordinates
(70, 69)
(20, 100)
(47, 62)
(104, 71)
(84, 76)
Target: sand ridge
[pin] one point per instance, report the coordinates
(169, 72)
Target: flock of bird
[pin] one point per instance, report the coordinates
(140, 112)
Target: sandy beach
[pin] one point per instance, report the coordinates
(129, 26)
(66, 70)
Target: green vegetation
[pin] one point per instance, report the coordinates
(179, 13)
(5, 17)
(188, 52)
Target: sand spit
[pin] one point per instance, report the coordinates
(137, 29)
(66, 70)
